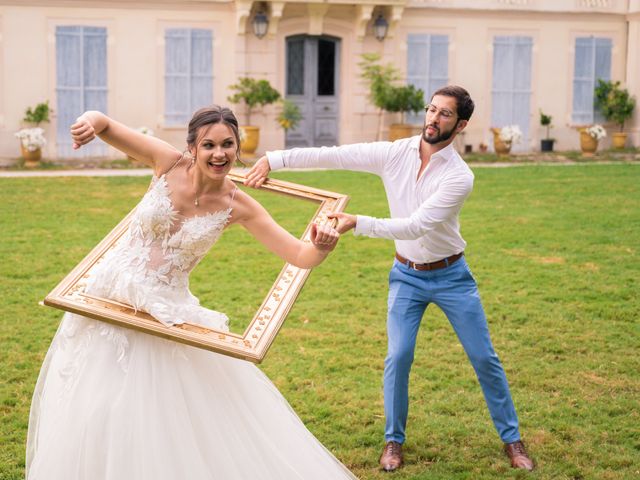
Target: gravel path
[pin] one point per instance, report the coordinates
(141, 172)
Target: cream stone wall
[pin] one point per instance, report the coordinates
(135, 47)
(633, 68)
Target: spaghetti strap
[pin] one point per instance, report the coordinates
(233, 194)
(175, 164)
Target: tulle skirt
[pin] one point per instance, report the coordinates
(113, 403)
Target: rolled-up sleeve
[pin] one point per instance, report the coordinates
(440, 207)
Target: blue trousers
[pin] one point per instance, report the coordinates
(454, 290)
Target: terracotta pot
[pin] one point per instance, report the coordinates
(31, 159)
(249, 143)
(618, 140)
(502, 149)
(400, 130)
(588, 144)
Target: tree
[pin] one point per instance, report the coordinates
(614, 102)
(384, 91)
(254, 93)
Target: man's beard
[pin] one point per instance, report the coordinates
(440, 136)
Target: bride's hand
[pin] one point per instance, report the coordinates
(323, 237)
(82, 132)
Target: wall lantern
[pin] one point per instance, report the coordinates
(380, 27)
(260, 24)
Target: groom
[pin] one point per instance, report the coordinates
(426, 182)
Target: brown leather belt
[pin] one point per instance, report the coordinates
(445, 262)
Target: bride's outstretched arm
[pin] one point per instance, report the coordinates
(264, 228)
(148, 149)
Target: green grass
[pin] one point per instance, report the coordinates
(555, 251)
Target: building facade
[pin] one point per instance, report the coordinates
(153, 62)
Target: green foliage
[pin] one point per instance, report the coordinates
(384, 92)
(378, 77)
(404, 98)
(556, 258)
(289, 116)
(38, 114)
(545, 121)
(254, 93)
(615, 103)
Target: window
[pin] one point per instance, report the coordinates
(295, 66)
(511, 86)
(188, 73)
(592, 62)
(427, 66)
(326, 67)
(81, 83)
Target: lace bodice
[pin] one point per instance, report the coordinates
(166, 245)
(150, 266)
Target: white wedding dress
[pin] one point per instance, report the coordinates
(114, 403)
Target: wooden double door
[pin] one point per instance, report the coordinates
(312, 83)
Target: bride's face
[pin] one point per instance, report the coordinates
(215, 150)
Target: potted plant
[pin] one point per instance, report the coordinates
(616, 104)
(504, 138)
(254, 93)
(589, 138)
(32, 136)
(402, 99)
(31, 142)
(289, 116)
(385, 94)
(546, 144)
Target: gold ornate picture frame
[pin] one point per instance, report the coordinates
(253, 344)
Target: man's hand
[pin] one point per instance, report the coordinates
(346, 221)
(258, 173)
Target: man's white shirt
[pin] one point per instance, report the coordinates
(424, 211)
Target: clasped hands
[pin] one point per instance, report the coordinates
(259, 173)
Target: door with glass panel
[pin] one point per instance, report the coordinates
(81, 83)
(312, 84)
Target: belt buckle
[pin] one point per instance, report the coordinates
(414, 266)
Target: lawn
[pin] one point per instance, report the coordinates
(555, 251)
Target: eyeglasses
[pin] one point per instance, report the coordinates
(444, 113)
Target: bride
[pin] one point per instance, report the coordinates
(113, 403)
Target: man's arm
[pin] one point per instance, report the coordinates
(362, 157)
(441, 206)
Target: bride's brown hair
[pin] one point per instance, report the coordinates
(210, 116)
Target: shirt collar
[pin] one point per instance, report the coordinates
(446, 153)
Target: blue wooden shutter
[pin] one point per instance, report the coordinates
(592, 62)
(81, 83)
(511, 88)
(188, 73)
(427, 66)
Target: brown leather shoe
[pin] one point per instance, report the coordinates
(518, 455)
(391, 458)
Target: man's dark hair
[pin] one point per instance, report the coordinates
(464, 103)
